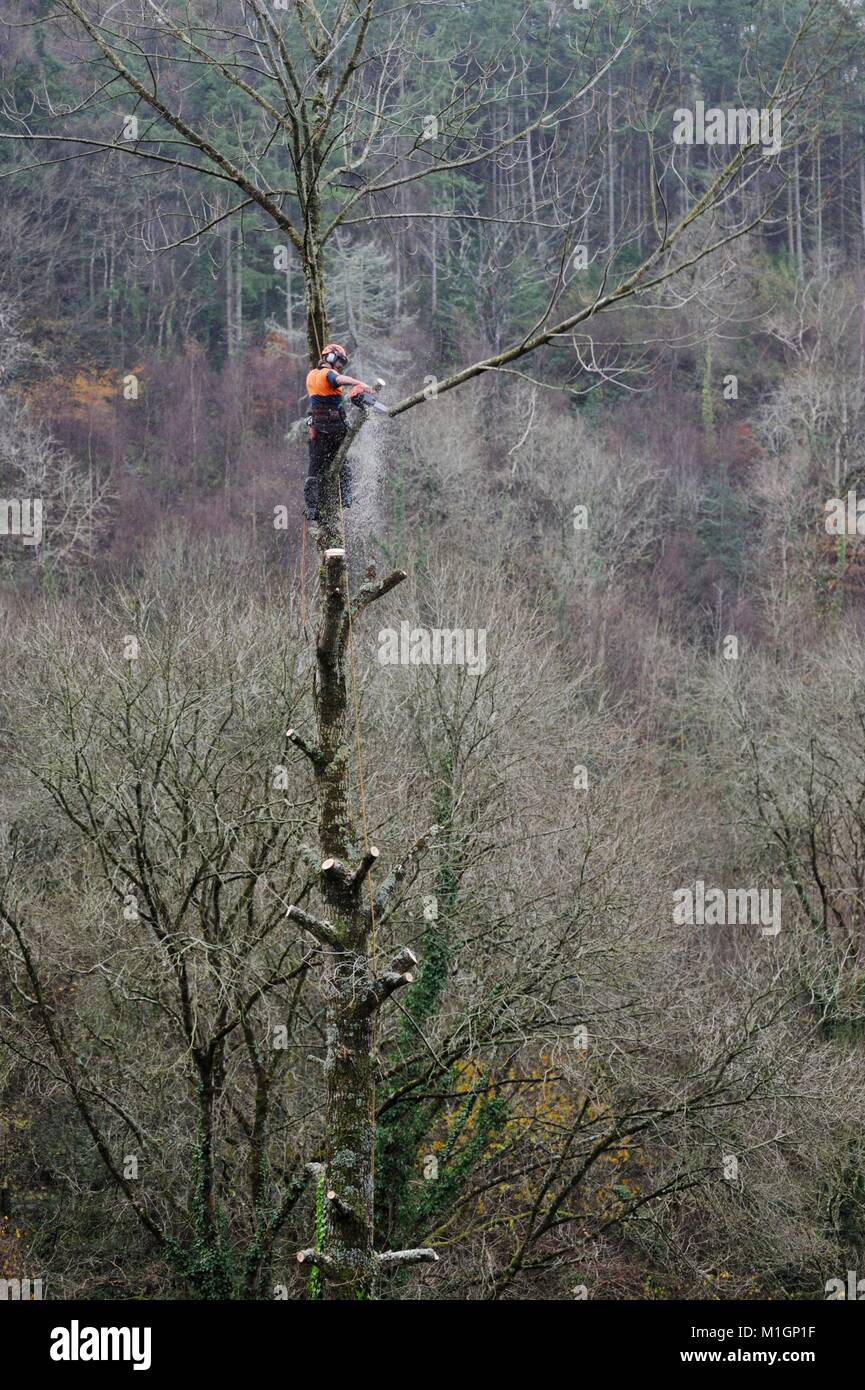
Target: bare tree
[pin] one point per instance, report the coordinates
(39, 477)
(160, 765)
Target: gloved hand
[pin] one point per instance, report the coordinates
(357, 393)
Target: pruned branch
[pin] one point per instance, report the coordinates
(342, 1207)
(335, 869)
(323, 932)
(372, 590)
(392, 1259)
(364, 868)
(401, 973)
(308, 749)
(323, 1262)
(404, 960)
(384, 987)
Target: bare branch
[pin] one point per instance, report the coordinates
(220, 160)
(323, 932)
(373, 590)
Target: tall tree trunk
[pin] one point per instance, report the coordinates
(352, 991)
(313, 259)
(349, 1125)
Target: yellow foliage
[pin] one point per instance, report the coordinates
(542, 1113)
(87, 393)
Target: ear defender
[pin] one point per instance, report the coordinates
(334, 352)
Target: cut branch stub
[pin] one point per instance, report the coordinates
(375, 589)
(401, 973)
(404, 960)
(335, 869)
(364, 868)
(322, 1261)
(308, 749)
(341, 1206)
(391, 1259)
(323, 932)
(384, 987)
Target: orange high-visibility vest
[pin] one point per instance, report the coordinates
(317, 384)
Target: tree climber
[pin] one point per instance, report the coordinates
(327, 423)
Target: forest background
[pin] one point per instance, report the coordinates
(576, 1095)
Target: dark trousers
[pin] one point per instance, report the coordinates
(323, 447)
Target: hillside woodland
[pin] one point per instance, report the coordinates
(308, 951)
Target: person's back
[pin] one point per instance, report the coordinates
(323, 389)
(327, 425)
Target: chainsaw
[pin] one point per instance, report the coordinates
(365, 399)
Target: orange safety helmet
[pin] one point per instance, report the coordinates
(333, 353)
